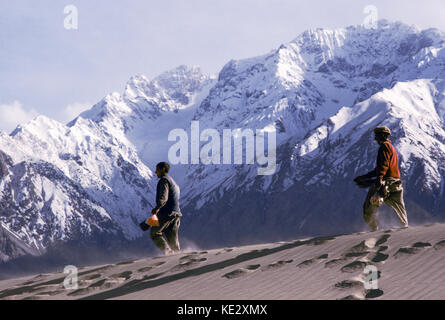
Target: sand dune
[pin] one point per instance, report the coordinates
(410, 264)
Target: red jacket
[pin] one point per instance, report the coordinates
(387, 162)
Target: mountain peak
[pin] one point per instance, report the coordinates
(182, 79)
(38, 123)
(137, 86)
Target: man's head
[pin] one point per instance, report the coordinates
(381, 134)
(162, 168)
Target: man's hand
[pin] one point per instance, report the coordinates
(154, 211)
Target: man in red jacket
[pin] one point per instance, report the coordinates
(387, 181)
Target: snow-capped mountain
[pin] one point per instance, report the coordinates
(86, 180)
(325, 92)
(322, 93)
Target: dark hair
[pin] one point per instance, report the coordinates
(163, 165)
(382, 136)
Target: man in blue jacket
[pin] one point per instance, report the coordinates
(165, 236)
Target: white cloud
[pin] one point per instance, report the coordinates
(13, 114)
(72, 110)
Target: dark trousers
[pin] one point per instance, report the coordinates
(394, 200)
(166, 235)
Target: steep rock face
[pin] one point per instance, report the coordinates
(12, 247)
(43, 206)
(10, 244)
(5, 163)
(106, 168)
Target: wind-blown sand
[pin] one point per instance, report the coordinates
(411, 265)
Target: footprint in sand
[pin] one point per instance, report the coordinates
(414, 249)
(366, 248)
(383, 239)
(421, 245)
(361, 249)
(373, 293)
(192, 255)
(371, 249)
(335, 262)
(357, 283)
(276, 265)
(368, 294)
(253, 266)
(306, 263)
(123, 275)
(402, 252)
(349, 284)
(241, 272)
(145, 269)
(309, 262)
(187, 264)
(439, 245)
(31, 289)
(236, 273)
(101, 284)
(379, 257)
(354, 266)
(225, 250)
(186, 257)
(45, 294)
(148, 268)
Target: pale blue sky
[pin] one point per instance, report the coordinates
(47, 69)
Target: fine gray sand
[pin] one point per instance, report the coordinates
(410, 264)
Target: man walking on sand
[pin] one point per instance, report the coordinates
(386, 181)
(165, 236)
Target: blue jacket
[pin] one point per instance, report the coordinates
(167, 197)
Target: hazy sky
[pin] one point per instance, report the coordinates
(47, 69)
